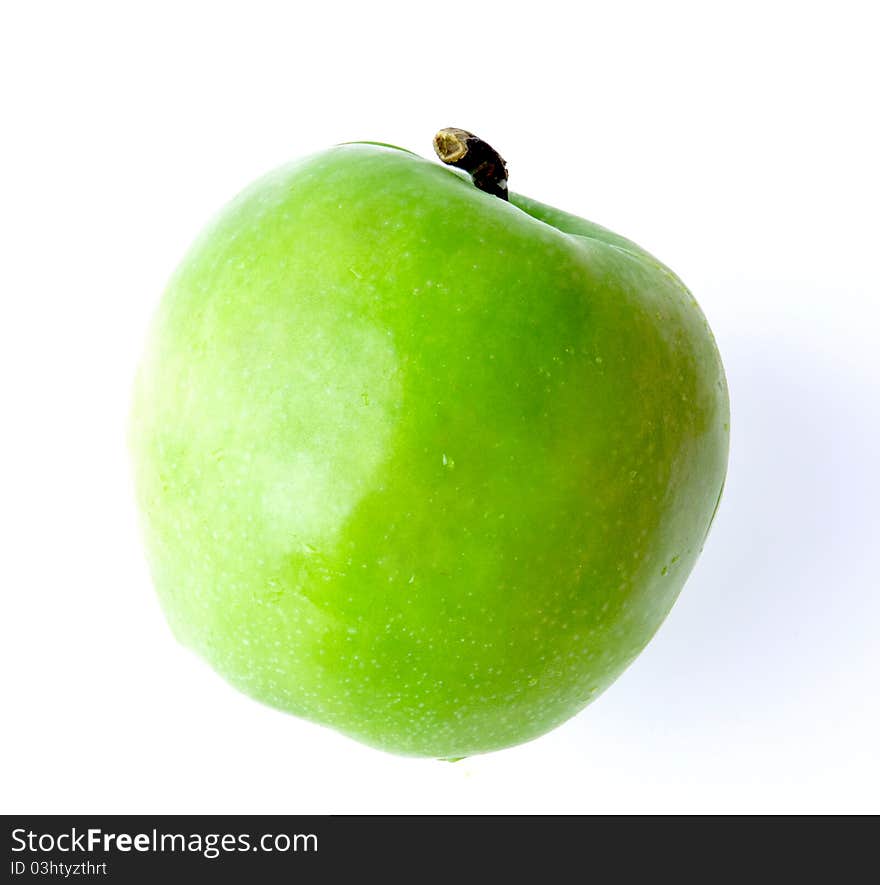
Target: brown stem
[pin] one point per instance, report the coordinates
(481, 161)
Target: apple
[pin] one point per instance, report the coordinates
(417, 461)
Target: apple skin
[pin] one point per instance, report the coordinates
(417, 463)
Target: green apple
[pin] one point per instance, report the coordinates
(420, 463)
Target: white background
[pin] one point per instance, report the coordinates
(738, 142)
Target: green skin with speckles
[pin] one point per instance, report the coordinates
(419, 464)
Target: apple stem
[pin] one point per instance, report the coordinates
(481, 161)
